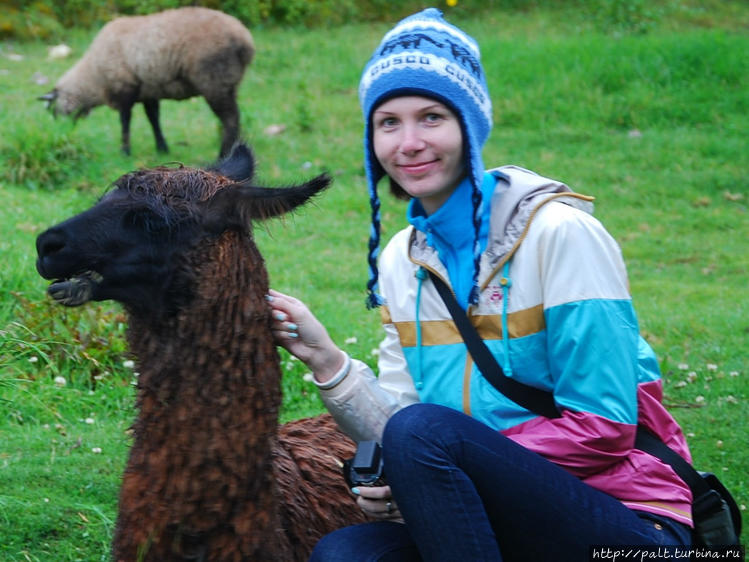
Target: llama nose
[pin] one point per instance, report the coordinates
(50, 242)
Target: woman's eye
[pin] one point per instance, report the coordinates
(433, 117)
(388, 122)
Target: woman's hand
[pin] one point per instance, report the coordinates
(377, 502)
(297, 330)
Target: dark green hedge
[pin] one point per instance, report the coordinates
(48, 19)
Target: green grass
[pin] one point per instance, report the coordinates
(654, 125)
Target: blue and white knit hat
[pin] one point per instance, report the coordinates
(424, 55)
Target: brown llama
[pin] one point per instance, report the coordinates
(210, 475)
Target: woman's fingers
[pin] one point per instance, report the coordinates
(377, 502)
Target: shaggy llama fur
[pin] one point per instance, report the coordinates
(210, 476)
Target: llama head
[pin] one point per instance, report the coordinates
(131, 245)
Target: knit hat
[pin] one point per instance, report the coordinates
(423, 55)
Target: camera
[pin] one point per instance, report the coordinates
(366, 467)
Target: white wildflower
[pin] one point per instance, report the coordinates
(89, 421)
(46, 500)
(59, 51)
(681, 384)
(96, 450)
(60, 381)
(375, 352)
(691, 434)
(308, 377)
(733, 374)
(33, 359)
(731, 399)
(682, 366)
(719, 443)
(351, 340)
(692, 376)
(699, 399)
(274, 129)
(128, 364)
(712, 367)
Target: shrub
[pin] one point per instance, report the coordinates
(41, 158)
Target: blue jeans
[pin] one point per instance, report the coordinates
(468, 493)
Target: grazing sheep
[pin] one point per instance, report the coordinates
(176, 54)
(210, 476)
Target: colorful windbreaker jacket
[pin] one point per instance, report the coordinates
(556, 312)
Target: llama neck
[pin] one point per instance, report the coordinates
(208, 398)
(221, 341)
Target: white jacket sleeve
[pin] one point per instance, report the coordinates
(360, 402)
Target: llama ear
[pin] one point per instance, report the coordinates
(238, 166)
(236, 206)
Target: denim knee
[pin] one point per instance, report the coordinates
(379, 541)
(414, 421)
(334, 547)
(417, 430)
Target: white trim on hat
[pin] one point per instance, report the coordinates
(430, 63)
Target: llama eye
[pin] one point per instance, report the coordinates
(145, 220)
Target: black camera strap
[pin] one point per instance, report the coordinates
(534, 399)
(542, 402)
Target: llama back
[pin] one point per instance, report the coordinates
(307, 463)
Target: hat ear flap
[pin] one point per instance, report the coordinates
(373, 299)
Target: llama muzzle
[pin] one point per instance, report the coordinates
(76, 290)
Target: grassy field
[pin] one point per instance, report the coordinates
(654, 125)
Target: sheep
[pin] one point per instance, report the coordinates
(175, 54)
(210, 476)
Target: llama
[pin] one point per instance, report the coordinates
(210, 475)
(175, 54)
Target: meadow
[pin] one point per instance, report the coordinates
(654, 124)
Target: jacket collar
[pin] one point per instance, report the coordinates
(518, 194)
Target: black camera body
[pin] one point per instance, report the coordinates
(366, 468)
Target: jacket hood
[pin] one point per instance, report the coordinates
(513, 209)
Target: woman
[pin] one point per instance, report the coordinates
(472, 475)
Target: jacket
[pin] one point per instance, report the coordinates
(554, 281)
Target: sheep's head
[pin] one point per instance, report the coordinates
(128, 245)
(65, 103)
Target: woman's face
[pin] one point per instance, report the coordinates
(419, 143)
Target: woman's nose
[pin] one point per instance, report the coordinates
(412, 140)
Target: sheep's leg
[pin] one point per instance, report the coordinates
(227, 110)
(126, 112)
(152, 112)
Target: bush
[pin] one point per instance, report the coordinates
(44, 19)
(42, 158)
(48, 19)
